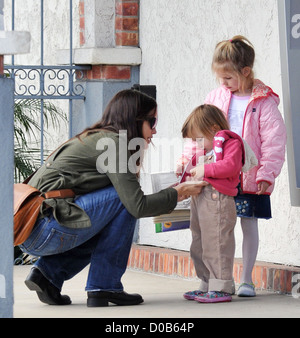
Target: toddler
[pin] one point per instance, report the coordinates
(213, 212)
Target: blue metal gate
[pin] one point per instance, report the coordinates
(44, 82)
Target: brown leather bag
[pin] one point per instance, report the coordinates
(27, 203)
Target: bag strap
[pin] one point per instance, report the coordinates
(63, 193)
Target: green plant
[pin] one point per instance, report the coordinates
(27, 131)
(27, 150)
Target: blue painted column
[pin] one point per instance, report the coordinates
(6, 196)
(11, 43)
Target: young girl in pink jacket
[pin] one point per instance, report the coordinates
(251, 109)
(218, 161)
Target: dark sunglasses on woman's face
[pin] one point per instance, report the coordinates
(153, 122)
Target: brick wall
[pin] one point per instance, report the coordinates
(106, 72)
(81, 23)
(168, 262)
(126, 34)
(127, 23)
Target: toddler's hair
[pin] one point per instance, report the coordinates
(234, 55)
(207, 119)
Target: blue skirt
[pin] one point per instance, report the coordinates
(250, 205)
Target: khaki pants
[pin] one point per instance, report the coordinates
(213, 218)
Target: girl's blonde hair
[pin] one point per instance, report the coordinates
(207, 119)
(233, 56)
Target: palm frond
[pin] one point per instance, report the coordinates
(27, 129)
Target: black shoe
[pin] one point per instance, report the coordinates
(46, 291)
(102, 298)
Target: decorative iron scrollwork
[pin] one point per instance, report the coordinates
(45, 82)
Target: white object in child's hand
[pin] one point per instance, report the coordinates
(196, 182)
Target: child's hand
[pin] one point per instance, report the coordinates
(180, 165)
(179, 169)
(262, 187)
(197, 173)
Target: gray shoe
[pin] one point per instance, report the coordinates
(246, 290)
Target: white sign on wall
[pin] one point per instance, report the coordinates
(2, 287)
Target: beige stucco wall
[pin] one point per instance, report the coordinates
(177, 40)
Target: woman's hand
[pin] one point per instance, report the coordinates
(191, 188)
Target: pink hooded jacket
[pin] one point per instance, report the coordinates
(224, 173)
(263, 130)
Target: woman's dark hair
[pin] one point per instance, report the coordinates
(127, 110)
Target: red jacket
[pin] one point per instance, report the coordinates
(224, 173)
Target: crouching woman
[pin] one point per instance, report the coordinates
(96, 227)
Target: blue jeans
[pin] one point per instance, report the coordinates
(106, 244)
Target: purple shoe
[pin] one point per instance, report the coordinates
(213, 297)
(190, 295)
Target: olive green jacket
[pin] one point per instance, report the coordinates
(83, 165)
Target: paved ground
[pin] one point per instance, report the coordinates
(163, 299)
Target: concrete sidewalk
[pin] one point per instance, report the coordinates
(162, 299)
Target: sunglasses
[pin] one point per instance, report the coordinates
(153, 122)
